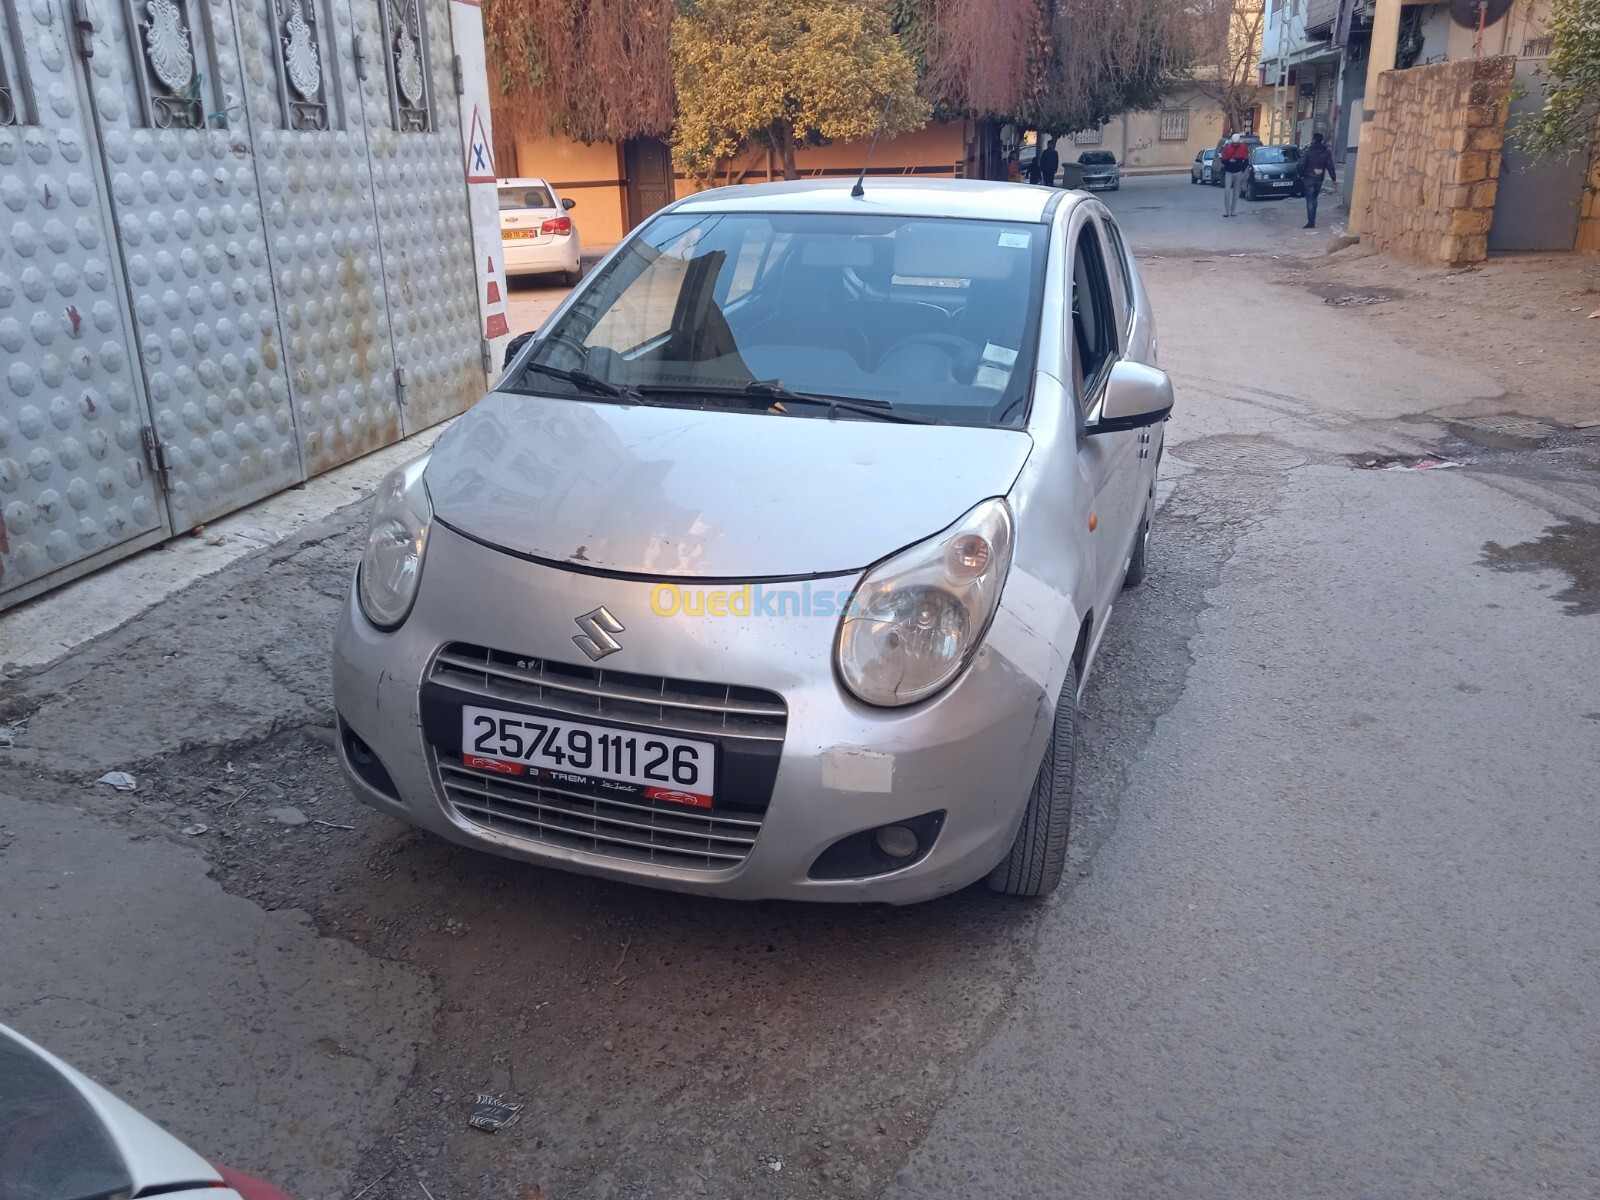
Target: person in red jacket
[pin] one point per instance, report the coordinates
(1235, 157)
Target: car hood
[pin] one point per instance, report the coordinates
(729, 495)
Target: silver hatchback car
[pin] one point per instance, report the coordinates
(774, 564)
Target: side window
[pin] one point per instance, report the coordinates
(644, 309)
(753, 249)
(1121, 281)
(1094, 320)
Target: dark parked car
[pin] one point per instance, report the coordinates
(1273, 171)
(1099, 171)
(1206, 167)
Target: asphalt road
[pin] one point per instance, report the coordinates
(1330, 928)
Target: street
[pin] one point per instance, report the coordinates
(1329, 925)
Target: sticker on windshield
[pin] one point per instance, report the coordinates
(1014, 240)
(1000, 355)
(989, 376)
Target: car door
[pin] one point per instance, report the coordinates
(1109, 461)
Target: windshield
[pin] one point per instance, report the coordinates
(934, 317)
(523, 196)
(1098, 158)
(1275, 154)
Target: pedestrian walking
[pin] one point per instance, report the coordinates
(1315, 162)
(1235, 158)
(1049, 163)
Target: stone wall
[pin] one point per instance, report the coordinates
(1434, 153)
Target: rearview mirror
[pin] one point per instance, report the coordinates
(1136, 396)
(568, 202)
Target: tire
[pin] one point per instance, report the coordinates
(1038, 858)
(571, 278)
(1249, 189)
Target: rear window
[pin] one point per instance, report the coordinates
(522, 196)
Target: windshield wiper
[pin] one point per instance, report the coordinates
(586, 382)
(772, 391)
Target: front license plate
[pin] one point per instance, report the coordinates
(1283, 183)
(658, 767)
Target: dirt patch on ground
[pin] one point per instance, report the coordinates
(1527, 321)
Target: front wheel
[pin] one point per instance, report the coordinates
(1249, 189)
(1038, 858)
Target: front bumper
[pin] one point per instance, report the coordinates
(970, 753)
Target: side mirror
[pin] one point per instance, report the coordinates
(568, 203)
(1136, 396)
(515, 345)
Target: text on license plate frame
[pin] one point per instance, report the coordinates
(656, 765)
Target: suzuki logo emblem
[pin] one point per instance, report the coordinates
(596, 640)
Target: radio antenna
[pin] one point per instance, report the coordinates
(860, 190)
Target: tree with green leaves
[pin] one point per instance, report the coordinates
(785, 73)
(1567, 123)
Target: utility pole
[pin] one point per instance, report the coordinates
(1380, 58)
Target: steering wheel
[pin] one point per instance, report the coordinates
(962, 353)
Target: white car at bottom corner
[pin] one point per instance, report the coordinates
(64, 1137)
(776, 561)
(537, 233)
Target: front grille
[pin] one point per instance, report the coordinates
(617, 828)
(748, 725)
(670, 705)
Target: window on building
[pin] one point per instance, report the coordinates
(170, 51)
(1087, 137)
(1174, 124)
(406, 57)
(305, 65)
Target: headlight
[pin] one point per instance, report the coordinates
(918, 618)
(391, 565)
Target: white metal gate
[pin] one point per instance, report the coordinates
(74, 487)
(240, 253)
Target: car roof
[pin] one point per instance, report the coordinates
(528, 182)
(958, 198)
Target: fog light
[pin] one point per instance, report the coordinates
(897, 841)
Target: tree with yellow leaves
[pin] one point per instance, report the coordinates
(785, 73)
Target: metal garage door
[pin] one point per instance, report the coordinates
(74, 484)
(1536, 204)
(182, 176)
(239, 253)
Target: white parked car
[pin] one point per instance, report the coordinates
(537, 230)
(776, 561)
(64, 1137)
